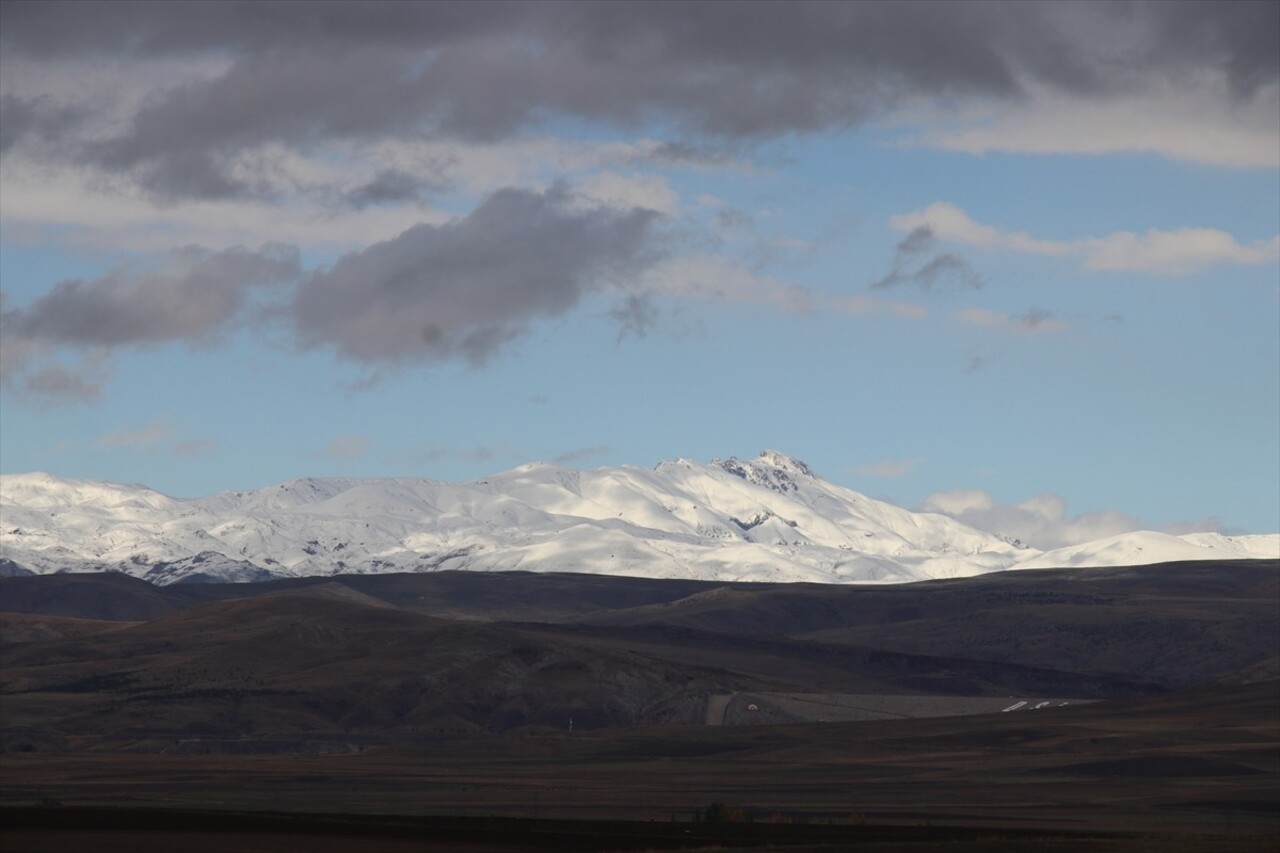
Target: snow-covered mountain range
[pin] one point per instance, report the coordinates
(766, 519)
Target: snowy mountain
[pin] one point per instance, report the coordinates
(766, 519)
(1146, 547)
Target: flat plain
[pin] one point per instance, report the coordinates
(1085, 709)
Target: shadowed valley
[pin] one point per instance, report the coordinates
(1102, 700)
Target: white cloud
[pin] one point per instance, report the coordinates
(1030, 323)
(1041, 521)
(1193, 118)
(860, 305)
(146, 437)
(346, 447)
(73, 208)
(1182, 250)
(949, 222)
(890, 467)
(303, 191)
(1179, 251)
(195, 447)
(712, 277)
(907, 310)
(957, 501)
(650, 192)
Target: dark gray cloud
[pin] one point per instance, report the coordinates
(346, 447)
(458, 290)
(188, 295)
(40, 119)
(195, 447)
(463, 289)
(311, 72)
(915, 263)
(636, 315)
(581, 454)
(1038, 318)
(1034, 321)
(916, 243)
(731, 218)
(56, 384)
(685, 154)
(437, 453)
(393, 185)
(1241, 37)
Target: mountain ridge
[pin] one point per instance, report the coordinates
(766, 519)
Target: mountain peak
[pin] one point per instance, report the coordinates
(782, 461)
(769, 518)
(771, 469)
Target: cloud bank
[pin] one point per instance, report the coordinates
(1179, 251)
(465, 288)
(303, 76)
(189, 295)
(460, 290)
(1041, 522)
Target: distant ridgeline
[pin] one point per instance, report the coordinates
(766, 519)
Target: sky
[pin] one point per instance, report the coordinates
(1014, 262)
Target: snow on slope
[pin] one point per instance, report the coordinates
(1147, 547)
(767, 519)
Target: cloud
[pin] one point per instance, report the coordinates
(1179, 251)
(957, 502)
(861, 305)
(394, 185)
(461, 289)
(349, 72)
(916, 263)
(1195, 119)
(1034, 322)
(715, 277)
(581, 454)
(154, 434)
(436, 453)
(1042, 521)
(948, 222)
(466, 288)
(39, 119)
(635, 315)
(890, 467)
(346, 447)
(157, 436)
(56, 384)
(625, 192)
(195, 447)
(78, 208)
(189, 295)
(730, 218)
(1182, 250)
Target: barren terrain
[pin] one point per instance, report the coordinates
(451, 697)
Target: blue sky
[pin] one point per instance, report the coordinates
(1016, 263)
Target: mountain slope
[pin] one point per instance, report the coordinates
(766, 519)
(1147, 547)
